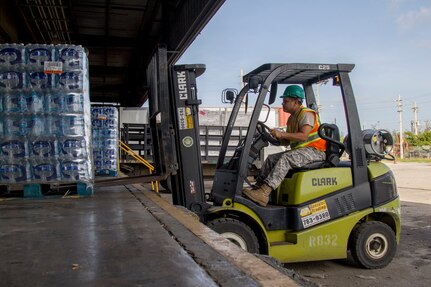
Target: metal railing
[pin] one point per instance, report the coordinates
(125, 148)
(138, 138)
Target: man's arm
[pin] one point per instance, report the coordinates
(306, 126)
(300, 136)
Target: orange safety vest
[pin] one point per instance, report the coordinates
(313, 139)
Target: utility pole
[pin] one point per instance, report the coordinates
(241, 76)
(318, 98)
(400, 110)
(317, 94)
(415, 119)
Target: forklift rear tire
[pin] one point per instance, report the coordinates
(373, 245)
(237, 232)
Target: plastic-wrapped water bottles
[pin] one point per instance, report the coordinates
(12, 125)
(45, 170)
(44, 147)
(73, 58)
(32, 103)
(1, 125)
(105, 140)
(73, 147)
(12, 57)
(73, 125)
(12, 102)
(54, 103)
(13, 149)
(45, 116)
(40, 81)
(37, 55)
(70, 81)
(76, 169)
(14, 172)
(12, 80)
(73, 103)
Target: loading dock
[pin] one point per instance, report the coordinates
(122, 236)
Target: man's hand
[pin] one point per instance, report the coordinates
(276, 133)
(285, 137)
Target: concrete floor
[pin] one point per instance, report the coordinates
(118, 237)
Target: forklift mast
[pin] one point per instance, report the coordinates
(187, 185)
(174, 121)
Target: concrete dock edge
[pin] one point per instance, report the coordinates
(259, 270)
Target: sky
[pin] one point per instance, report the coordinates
(389, 41)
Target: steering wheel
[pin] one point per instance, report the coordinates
(264, 131)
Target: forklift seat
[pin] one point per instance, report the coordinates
(332, 150)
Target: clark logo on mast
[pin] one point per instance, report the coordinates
(182, 85)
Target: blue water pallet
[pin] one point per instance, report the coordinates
(35, 190)
(107, 172)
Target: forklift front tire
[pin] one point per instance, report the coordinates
(373, 245)
(237, 232)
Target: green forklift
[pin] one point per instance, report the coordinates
(345, 206)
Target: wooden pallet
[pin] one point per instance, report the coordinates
(33, 190)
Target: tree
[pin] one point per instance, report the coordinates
(421, 139)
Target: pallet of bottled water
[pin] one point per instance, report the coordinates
(104, 123)
(45, 120)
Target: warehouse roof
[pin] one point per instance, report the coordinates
(120, 35)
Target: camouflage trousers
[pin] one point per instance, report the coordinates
(276, 166)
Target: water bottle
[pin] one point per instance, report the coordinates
(43, 148)
(109, 133)
(13, 103)
(53, 124)
(12, 56)
(95, 134)
(97, 154)
(72, 57)
(11, 80)
(110, 153)
(107, 146)
(2, 134)
(110, 124)
(98, 165)
(111, 112)
(96, 113)
(73, 147)
(109, 164)
(96, 124)
(33, 125)
(74, 103)
(13, 148)
(32, 103)
(70, 81)
(12, 125)
(39, 81)
(26, 125)
(54, 103)
(74, 170)
(45, 171)
(11, 172)
(70, 170)
(37, 55)
(73, 125)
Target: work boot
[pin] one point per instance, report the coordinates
(257, 185)
(259, 195)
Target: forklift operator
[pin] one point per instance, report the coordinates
(306, 146)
